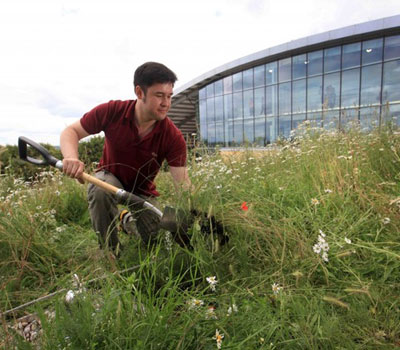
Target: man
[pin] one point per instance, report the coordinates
(138, 138)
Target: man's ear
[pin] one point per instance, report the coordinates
(139, 92)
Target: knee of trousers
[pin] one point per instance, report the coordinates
(98, 198)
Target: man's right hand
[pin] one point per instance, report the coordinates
(74, 168)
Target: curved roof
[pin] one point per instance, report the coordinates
(185, 99)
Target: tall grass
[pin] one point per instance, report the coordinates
(312, 262)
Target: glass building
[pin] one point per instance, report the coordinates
(334, 84)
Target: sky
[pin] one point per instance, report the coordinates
(61, 58)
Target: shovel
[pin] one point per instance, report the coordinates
(175, 221)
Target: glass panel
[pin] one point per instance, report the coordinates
(371, 84)
(331, 120)
(249, 130)
(391, 114)
(285, 126)
(332, 59)
(203, 119)
(299, 66)
(237, 105)
(331, 91)
(259, 101)
(271, 129)
(210, 90)
(228, 107)
(219, 133)
(238, 132)
(392, 47)
(351, 55)
(299, 96)
(350, 87)
(285, 69)
(369, 118)
(228, 133)
(372, 51)
(237, 81)
(219, 108)
(285, 98)
(211, 134)
(248, 79)
(297, 120)
(271, 73)
(349, 118)
(248, 103)
(202, 93)
(314, 93)
(272, 100)
(218, 87)
(314, 62)
(259, 131)
(391, 82)
(259, 76)
(210, 110)
(228, 85)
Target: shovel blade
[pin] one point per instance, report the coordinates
(177, 222)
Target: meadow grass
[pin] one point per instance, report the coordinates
(312, 262)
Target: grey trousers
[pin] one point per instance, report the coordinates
(103, 209)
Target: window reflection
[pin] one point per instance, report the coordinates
(332, 59)
(210, 110)
(271, 130)
(349, 119)
(259, 102)
(351, 56)
(314, 62)
(285, 69)
(272, 100)
(299, 66)
(228, 107)
(218, 88)
(229, 133)
(285, 125)
(237, 105)
(299, 96)
(219, 133)
(238, 132)
(314, 93)
(369, 118)
(391, 82)
(259, 131)
(350, 87)
(219, 108)
(248, 104)
(271, 71)
(248, 79)
(259, 76)
(285, 98)
(372, 51)
(331, 91)
(228, 85)
(249, 130)
(371, 84)
(392, 47)
(237, 81)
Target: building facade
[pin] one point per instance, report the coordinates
(335, 80)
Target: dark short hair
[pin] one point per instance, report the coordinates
(151, 73)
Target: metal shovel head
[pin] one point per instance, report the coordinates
(177, 222)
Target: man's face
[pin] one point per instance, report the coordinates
(157, 100)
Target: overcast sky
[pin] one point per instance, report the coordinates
(60, 58)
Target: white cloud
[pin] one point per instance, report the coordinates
(61, 58)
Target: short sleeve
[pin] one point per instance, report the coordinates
(97, 119)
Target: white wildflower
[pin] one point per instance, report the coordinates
(328, 191)
(212, 281)
(347, 240)
(195, 303)
(386, 221)
(276, 288)
(218, 338)
(232, 309)
(70, 296)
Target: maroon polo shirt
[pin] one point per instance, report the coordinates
(134, 161)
